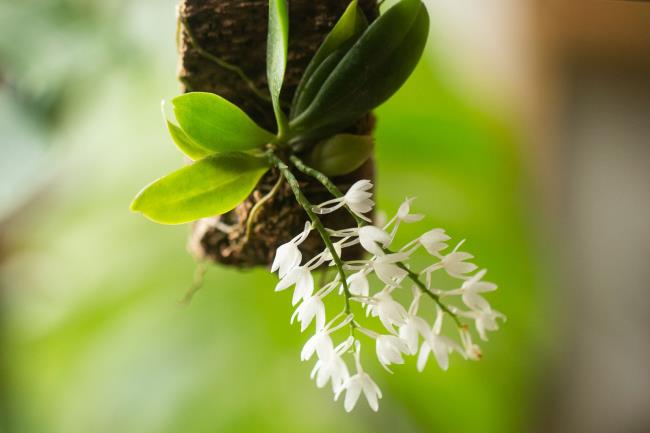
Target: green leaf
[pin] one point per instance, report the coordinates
(341, 154)
(182, 141)
(216, 124)
(276, 56)
(311, 86)
(347, 30)
(185, 143)
(371, 71)
(211, 186)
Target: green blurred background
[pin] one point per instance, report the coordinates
(92, 338)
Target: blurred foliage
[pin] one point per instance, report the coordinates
(93, 339)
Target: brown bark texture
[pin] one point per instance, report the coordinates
(235, 32)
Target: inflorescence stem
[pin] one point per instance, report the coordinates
(336, 192)
(317, 224)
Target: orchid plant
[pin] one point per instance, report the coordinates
(357, 67)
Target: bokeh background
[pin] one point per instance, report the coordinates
(526, 130)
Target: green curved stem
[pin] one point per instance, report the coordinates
(317, 224)
(197, 283)
(252, 215)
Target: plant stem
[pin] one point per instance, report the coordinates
(336, 192)
(423, 288)
(317, 224)
(327, 183)
(252, 215)
(197, 283)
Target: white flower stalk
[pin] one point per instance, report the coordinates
(355, 385)
(357, 199)
(396, 331)
(288, 256)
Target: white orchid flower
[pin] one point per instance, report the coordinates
(355, 385)
(358, 199)
(288, 256)
(303, 280)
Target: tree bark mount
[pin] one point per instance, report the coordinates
(234, 31)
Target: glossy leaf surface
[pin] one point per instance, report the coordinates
(372, 70)
(276, 55)
(216, 124)
(185, 143)
(341, 154)
(347, 30)
(211, 186)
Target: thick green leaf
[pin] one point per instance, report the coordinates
(182, 141)
(371, 71)
(216, 124)
(185, 143)
(311, 86)
(211, 186)
(347, 30)
(276, 56)
(341, 154)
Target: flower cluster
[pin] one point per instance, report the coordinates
(400, 331)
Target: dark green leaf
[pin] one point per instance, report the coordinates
(276, 55)
(346, 31)
(185, 143)
(371, 71)
(211, 186)
(311, 87)
(216, 124)
(341, 154)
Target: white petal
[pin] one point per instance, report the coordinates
(304, 284)
(441, 352)
(409, 333)
(319, 343)
(476, 302)
(287, 257)
(389, 273)
(373, 239)
(433, 241)
(320, 317)
(359, 191)
(423, 356)
(288, 280)
(370, 391)
(358, 284)
(352, 394)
